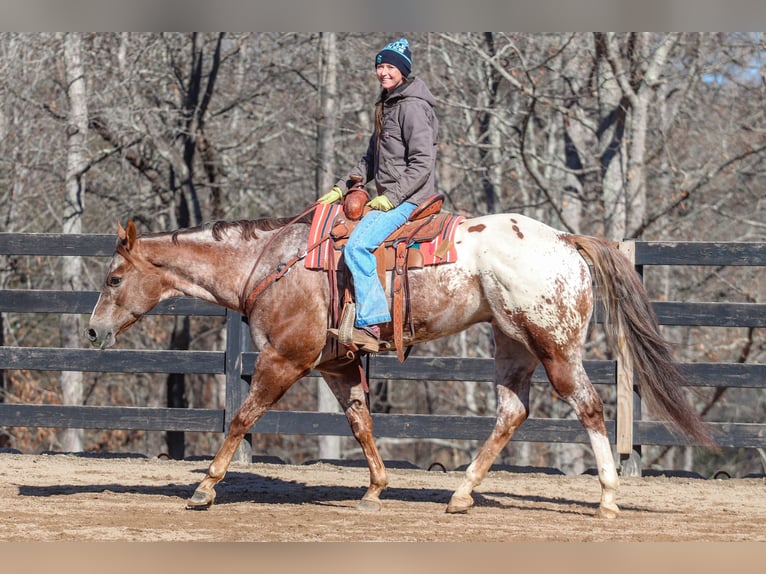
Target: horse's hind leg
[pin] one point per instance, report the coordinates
(346, 384)
(570, 380)
(273, 376)
(514, 366)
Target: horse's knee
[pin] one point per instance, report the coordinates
(359, 419)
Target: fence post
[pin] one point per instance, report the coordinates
(627, 409)
(236, 386)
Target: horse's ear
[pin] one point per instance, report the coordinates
(127, 237)
(130, 234)
(120, 233)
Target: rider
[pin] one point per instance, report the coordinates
(400, 158)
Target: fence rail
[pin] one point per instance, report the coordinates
(237, 361)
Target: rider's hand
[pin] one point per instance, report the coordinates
(380, 202)
(335, 194)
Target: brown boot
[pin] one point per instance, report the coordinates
(367, 338)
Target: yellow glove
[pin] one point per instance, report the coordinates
(335, 194)
(380, 202)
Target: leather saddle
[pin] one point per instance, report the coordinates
(423, 225)
(425, 239)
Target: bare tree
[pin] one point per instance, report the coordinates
(329, 446)
(72, 214)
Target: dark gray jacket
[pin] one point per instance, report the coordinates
(403, 165)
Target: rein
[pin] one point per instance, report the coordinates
(282, 269)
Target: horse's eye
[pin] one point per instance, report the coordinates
(114, 281)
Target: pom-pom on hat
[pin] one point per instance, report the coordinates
(396, 53)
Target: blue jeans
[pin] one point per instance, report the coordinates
(372, 230)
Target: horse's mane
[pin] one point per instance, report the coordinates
(248, 228)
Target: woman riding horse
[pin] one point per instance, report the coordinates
(400, 157)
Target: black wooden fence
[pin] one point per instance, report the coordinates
(628, 431)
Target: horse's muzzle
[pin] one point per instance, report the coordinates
(102, 342)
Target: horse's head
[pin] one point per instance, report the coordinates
(133, 286)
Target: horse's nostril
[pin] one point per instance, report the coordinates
(91, 334)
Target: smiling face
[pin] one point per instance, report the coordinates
(389, 76)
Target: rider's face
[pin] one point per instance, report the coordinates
(389, 76)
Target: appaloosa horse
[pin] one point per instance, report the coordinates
(532, 283)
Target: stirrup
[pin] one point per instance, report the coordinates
(354, 337)
(361, 341)
(366, 341)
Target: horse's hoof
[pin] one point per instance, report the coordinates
(200, 500)
(459, 504)
(369, 505)
(608, 512)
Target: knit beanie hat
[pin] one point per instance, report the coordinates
(396, 53)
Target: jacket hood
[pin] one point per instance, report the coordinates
(414, 88)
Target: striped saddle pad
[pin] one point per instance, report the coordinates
(430, 239)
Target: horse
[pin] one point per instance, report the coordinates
(535, 285)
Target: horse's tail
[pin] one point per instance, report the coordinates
(632, 328)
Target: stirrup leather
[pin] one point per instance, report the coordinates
(346, 325)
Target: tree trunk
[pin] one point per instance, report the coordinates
(71, 271)
(3, 131)
(634, 77)
(329, 446)
(176, 388)
(488, 134)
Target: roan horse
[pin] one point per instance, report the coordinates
(533, 284)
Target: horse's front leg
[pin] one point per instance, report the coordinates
(346, 385)
(247, 415)
(273, 376)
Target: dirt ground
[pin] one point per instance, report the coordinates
(78, 498)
